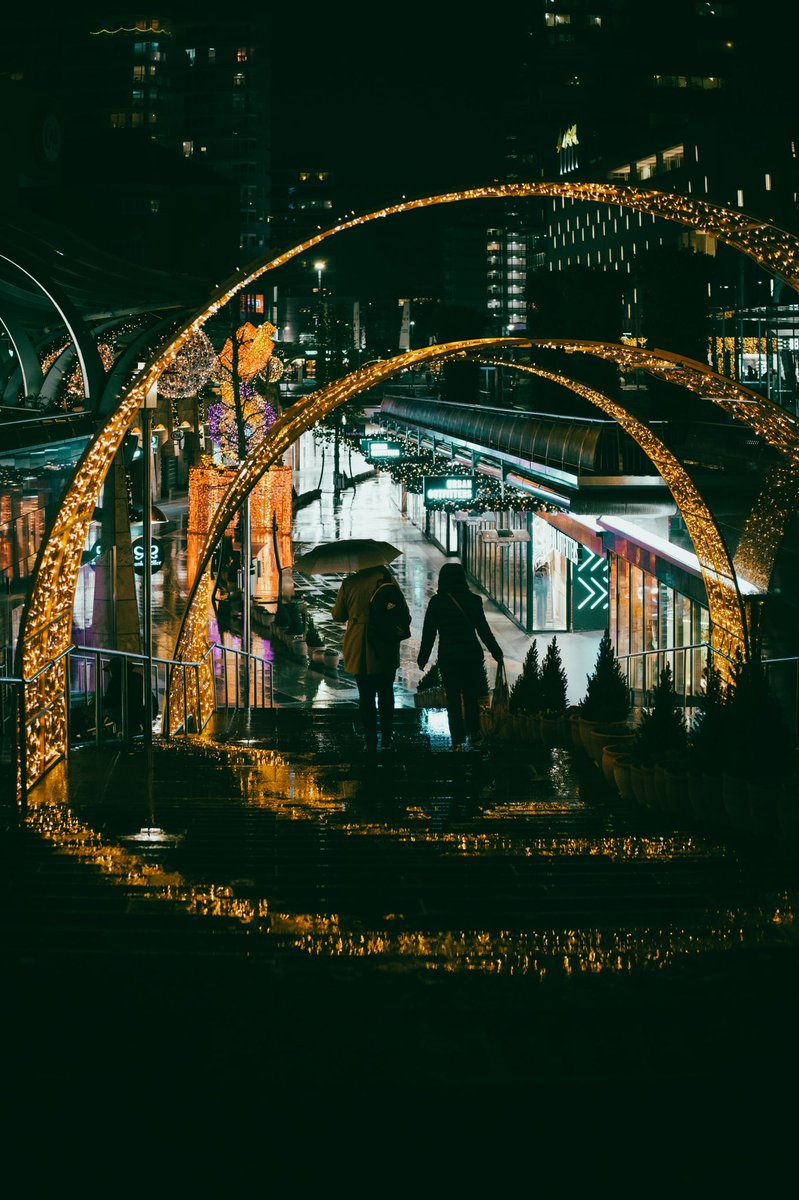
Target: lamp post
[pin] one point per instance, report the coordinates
(150, 402)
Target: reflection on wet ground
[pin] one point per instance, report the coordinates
(284, 873)
(508, 861)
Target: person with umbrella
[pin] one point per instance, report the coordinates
(378, 619)
(455, 615)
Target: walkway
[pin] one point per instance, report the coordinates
(328, 924)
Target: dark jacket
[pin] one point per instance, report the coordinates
(364, 655)
(457, 630)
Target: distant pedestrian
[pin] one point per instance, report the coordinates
(455, 615)
(372, 657)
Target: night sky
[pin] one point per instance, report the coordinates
(403, 100)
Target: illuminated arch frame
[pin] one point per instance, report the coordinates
(727, 611)
(776, 505)
(192, 639)
(47, 621)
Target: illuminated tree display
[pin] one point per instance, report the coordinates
(250, 359)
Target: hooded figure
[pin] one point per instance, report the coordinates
(372, 660)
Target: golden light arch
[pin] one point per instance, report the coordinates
(774, 424)
(192, 639)
(47, 621)
(727, 611)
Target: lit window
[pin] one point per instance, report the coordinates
(155, 206)
(241, 54)
(191, 55)
(768, 183)
(152, 118)
(211, 54)
(188, 149)
(239, 79)
(138, 74)
(136, 119)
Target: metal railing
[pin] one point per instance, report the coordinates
(107, 687)
(687, 664)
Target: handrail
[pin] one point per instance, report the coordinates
(47, 667)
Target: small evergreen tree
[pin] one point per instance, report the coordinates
(607, 696)
(554, 684)
(662, 727)
(758, 742)
(525, 695)
(709, 731)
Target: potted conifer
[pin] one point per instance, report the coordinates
(707, 742)
(661, 744)
(553, 686)
(607, 699)
(525, 696)
(759, 752)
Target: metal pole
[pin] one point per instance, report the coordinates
(246, 635)
(147, 578)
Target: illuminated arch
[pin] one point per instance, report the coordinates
(726, 606)
(192, 642)
(91, 365)
(47, 621)
(776, 426)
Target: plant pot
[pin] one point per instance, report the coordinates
(622, 776)
(596, 734)
(600, 739)
(735, 793)
(331, 658)
(318, 654)
(300, 647)
(574, 731)
(637, 783)
(648, 773)
(671, 783)
(565, 730)
(533, 725)
(549, 731)
(611, 753)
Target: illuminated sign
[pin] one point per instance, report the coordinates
(448, 489)
(380, 448)
(156, 556)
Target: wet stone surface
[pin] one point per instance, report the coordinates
(281, 879)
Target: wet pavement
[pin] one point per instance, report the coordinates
(327, 924)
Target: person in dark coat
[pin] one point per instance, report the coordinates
(455, 615)
(373, 662)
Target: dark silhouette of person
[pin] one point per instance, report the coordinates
(455, 615)
(370, 659)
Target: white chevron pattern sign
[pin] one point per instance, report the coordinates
(592, 582)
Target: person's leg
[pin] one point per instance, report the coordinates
(473, 683)
(385, 707)
(452, 679)
(367, 691)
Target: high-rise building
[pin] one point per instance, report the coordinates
(160, 126)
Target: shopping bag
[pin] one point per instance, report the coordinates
(500, 702)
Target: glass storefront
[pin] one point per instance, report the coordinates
(646, 616)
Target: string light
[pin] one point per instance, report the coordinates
(724, 599)
(47, 621)
(191, 369)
